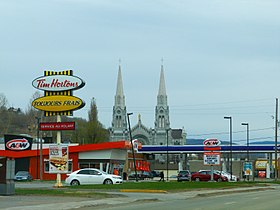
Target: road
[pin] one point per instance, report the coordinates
(258, 200)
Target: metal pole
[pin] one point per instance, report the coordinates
(247, 125)
(132, 149)
(230, 140)
(58, 141)
(167, 158)
(275, 148)
(230, 148)
(37, 156)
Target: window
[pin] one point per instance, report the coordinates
(94, 172)
(84, 172)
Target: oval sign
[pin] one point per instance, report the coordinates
(58, 83)
(58, 103)
(211, 142)
(18, 144)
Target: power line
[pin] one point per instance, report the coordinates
(224, 133)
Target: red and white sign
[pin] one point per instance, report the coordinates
(58, 83)
(18, 144)
(56, 126)
(212, 144)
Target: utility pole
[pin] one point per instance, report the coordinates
(276, 133)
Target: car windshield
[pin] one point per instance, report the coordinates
(22, 173)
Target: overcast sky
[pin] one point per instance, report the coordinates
(221, 58)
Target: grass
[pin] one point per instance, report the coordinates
(172, 186)
(169, 186)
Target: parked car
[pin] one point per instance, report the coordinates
(155, 173)
(92, 176)
(23, 176)
(184, 175)
(231, 178)
(205, 175)
(141, 175)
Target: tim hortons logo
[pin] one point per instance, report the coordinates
(18, 144)
(58, 83)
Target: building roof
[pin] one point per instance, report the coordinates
(72, 149)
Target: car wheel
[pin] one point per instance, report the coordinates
(197, 179)
(108, 181)
(75, 182)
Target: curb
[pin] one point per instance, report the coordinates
(206, 194)
(143, 191)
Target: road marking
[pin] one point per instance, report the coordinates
(230, 203)
(256, 198)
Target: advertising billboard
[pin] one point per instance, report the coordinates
(58, 159)
(17, 142)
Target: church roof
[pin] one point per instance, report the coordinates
(177, 133)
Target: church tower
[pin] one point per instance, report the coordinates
(162, 124)
(119, 123)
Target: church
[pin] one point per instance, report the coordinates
(161, 134)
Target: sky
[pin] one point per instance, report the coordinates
(220, 58)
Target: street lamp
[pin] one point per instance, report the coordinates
(167, 158)
(37, 156)
(276, 141)
(132, 148)
(230, 142)
(247, 125)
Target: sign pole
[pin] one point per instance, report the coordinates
(58, 141)
(212, 173)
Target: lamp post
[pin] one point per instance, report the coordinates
(37, 155)
(167, 158)
(276, 141)
(132, 148)
(247, 125)
(230, 142)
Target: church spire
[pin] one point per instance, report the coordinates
(162, 109)
(119, 97)
(119, 123)
(162, 89)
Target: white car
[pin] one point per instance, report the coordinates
(231, 178)
(92, 176)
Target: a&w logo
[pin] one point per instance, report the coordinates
(18, 144)
(211, 143)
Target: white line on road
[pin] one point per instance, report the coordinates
(230, 203)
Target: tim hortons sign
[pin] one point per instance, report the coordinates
(58, 103)
(58, 89)
(58, 83)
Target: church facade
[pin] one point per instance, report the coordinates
(161, 134)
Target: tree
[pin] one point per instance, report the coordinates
(32, 114)
(3, 102)
(95, 131)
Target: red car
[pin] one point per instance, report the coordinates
(205, 175)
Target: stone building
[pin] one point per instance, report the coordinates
(162, 130)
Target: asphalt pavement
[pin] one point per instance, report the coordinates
(18, 202)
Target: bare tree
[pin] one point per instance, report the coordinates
(3, 102)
